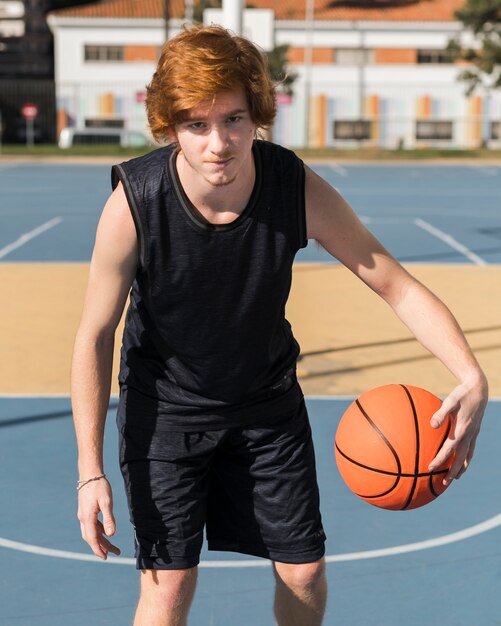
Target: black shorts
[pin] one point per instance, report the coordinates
(253, 488)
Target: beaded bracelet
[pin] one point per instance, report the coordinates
(82, 483)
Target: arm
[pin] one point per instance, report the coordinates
(112, 271)
(335, 226)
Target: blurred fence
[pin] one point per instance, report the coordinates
(16, 93)
(385, 117)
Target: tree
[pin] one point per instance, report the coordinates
(277, 64)
(482, 18)
(200, 6)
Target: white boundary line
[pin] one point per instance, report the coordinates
(339, 169)
(25, 237)
(450, 241)
(460, 535)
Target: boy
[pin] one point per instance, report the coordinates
(213, 427)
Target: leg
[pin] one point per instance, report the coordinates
(300, 594)
(166, 597)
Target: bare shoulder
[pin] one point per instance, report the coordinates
(116, 233)
(116, 212)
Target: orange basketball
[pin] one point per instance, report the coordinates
(384, 444)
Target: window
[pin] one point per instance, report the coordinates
(495, 130)
(102, 122)
(426, 129)
(352, 129)
(86, 139)
(435, 56)
(103, 53)
(354, 56)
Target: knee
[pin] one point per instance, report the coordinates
(168, 588)
(301, 579)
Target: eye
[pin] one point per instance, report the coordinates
(234, 119)
(196, 125)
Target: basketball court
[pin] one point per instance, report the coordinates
(435, 565)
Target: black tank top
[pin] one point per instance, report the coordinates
(206, 344)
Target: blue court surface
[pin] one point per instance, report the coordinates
(439, 565)
(421, 213)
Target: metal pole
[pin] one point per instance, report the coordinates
(233, 15)
(308, 58)
(166, 19)
(188, 11)
(30, 132)
(361, 75)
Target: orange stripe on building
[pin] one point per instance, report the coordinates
(387, 56)
(139, 54)
(423, 108)
(371, 112)
(62, 120)
(318, 120)
(295, 55)
(474, 130)
(106, 104)
(319, 56)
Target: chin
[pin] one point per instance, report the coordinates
(221, 182)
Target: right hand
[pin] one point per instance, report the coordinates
(94, 498)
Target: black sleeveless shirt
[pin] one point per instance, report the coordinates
(206, 344)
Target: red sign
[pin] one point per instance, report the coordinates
(29, 111)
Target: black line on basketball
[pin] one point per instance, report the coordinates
(383, 437)
(387, 472)
(416, 459)
(371, 469)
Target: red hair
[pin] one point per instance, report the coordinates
(199, 63)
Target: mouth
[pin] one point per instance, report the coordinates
(221, 162)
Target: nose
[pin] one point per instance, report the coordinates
(218, 140)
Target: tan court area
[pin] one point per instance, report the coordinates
(350, 340)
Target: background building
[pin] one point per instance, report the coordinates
(27, 67)
(366, 75)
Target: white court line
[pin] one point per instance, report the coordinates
(461, 535)
(450, 241)
(339, 169)
(488, 171)
(25, 237)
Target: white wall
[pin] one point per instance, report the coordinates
(79, 84)
(70, 42)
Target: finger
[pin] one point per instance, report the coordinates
(446, 451)
(105, 544)
(449, 405)
(92, 534)
(460, 462)
(96, 547)
(108, 517)
(466, 463)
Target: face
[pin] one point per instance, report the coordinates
(215, 141)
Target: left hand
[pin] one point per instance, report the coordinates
(465, 406)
